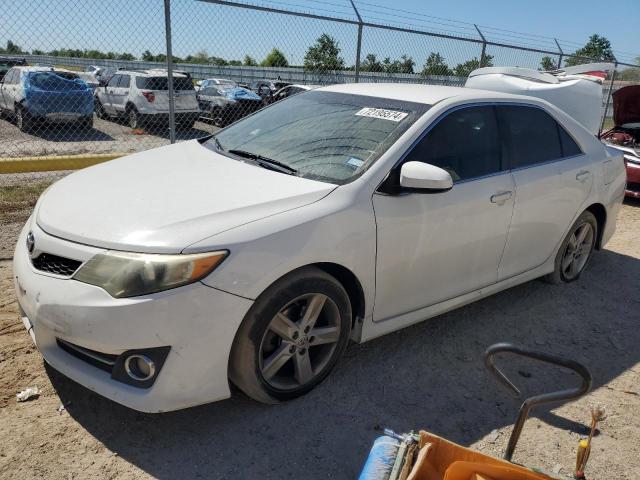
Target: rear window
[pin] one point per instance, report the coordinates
(211, 92)
(162, 83)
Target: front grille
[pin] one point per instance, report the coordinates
(46, 262)
(103, 361)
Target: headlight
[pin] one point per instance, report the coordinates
(125, 274)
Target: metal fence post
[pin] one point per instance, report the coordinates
(484, 47)
(359, 45)
(172, 107)
(606, 105)
(561, 53)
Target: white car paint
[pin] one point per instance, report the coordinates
(415, 255)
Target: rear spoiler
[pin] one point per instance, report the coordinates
(592, 71)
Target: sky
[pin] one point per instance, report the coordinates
(137, 25)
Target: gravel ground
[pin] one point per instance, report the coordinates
(427, 376)
(107, 136)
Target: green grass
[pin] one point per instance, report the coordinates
(17, 201)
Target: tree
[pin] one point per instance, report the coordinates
(249, 61)
(275, 59)
(435, 65)
(12, 48)
(547, 63)
(324, 55)
(596, 49)
(465, 68)
(147, 56)
(371, 64)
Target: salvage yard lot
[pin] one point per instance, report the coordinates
(107, 136)
(430, 376)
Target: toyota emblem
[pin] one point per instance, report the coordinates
(31, 242)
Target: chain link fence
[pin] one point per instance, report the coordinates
(86, 81)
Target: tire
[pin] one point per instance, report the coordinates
(100, 112)
(572, 258)
(133, 118)
(272, 367)
(23, 120)
(86, 123)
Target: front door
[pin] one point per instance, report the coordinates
(434, 247)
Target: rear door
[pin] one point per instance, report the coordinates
(551, 180)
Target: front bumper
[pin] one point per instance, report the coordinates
(633, 180)
(197, 322)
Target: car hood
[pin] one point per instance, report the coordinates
(626, 105)
(163, 200)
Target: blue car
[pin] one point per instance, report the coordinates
(42, 94)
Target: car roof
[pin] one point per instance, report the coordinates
(150, 73)
(415, 92)
(30, 68)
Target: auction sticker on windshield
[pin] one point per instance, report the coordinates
(392, 115)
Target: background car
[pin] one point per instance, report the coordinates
(216, 82)
(625, 135)
(44, 94)
(224, 106)
(7, 62)
(104, 75)
(142, 96)
(290, 91)
(266, 88)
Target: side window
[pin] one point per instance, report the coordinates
(530, 134)
(569, 146)
(465, 143)
(9, 76)
(114, 81)
(125, 81)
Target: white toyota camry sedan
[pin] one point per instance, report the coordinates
(347, 212)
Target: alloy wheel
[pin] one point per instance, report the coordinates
(299, 341)
(578, 250)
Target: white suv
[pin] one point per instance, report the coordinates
(142, 95)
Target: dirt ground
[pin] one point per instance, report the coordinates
(427, 376)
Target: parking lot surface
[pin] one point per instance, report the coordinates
(106, 136)
(427, 376)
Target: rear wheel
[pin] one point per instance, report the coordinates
(292, 337)
(23, 120)
(576, 250)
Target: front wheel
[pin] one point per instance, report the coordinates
(133, 117)
(292, 337)
(576, 250)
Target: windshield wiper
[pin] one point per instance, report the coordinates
(218, 144)
(265, 161)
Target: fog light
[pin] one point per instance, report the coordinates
(139, 367)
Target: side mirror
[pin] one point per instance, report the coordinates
(420, 176)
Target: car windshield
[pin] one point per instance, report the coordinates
(56, 81)
(162, 83)
(326, 136)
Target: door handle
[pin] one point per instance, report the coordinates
(501, 197)
(582, 175)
